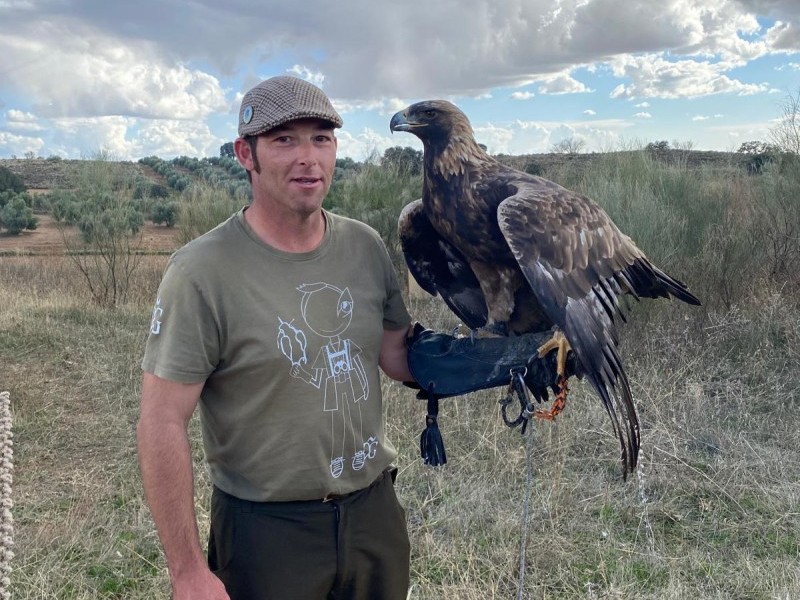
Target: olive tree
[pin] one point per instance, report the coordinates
(106, 248)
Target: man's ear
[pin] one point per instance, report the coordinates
(244, 154)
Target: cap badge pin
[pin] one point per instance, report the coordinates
(247, 114)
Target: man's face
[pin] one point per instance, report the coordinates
(296, 161)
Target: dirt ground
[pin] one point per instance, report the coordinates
(46, 239)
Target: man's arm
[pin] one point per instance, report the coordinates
(393, 358)
(166, 465)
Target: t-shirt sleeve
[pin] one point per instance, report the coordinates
(395, 313)
(183, 341)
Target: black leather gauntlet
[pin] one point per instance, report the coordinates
(444, 366)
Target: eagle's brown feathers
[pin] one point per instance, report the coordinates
(515, 253)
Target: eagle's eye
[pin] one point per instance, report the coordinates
(430, 113)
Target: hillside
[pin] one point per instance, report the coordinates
(41, 174)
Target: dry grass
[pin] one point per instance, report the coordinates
(713, 513)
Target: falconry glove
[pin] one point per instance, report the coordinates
(445, 365)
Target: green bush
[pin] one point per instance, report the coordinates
(10, 181)
(202, 207)
(104, 227)
(110, 221)
(165, 212)
(376, 195)
(64, 206)
(17, 215)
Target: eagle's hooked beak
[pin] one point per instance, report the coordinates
(400, 122)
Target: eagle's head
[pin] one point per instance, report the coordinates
(433, 121)
(445, 132)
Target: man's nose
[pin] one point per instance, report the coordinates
(307, 154)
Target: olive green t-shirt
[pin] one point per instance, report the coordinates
(287, 344)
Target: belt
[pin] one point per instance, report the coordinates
(253, 506)
(338, 497)
(331, 497)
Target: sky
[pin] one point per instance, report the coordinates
(166, 77)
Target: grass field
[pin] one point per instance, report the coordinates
(712, 513)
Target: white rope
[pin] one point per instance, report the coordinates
(523, 543)
(6, 518)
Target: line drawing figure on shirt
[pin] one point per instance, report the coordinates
(337, 370)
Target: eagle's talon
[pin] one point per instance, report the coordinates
(559, 402)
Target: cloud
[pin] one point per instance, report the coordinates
(532, 137)
(561, 84)
(784, 36)
(589, 112)
(369, 144)
(127, 138)
(19, 145)
(171, 69)
(643, 115)
(700, 118)
(652, 76)
(18, 120)
(105, 76)
(455, 49)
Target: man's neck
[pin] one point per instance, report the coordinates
(293, 233)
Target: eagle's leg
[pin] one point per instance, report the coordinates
(498, 284)
(557, 342)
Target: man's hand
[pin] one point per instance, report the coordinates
(199, 585)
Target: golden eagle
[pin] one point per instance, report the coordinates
(513, 253)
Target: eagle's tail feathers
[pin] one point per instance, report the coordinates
(676, 288)
(595, 348)
(645, 279)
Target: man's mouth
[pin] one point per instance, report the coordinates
(307, 180)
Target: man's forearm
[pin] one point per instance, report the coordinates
(166, 465)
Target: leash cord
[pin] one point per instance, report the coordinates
(525, 514)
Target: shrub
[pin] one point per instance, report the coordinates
(165, 212)
(10, 181)
(17, 215)
(107, 252)
(202, 207)
(64, 207)
(376, 195)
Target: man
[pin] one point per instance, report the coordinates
(275, 324)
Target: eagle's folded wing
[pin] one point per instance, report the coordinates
(439, 267)
(573, 259)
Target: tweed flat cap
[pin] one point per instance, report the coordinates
(281, 99)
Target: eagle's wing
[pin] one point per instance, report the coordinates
(439, 267)
(575, 259)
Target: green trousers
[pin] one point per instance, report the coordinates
(350, 548)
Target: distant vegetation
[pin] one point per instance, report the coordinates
(711, 513)
(16, 206)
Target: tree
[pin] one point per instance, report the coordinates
(568, 146)
(755, 147)
(786, 134)
(659, 146)
(17, 215)
(534, 168)
(405, 160)
(165, 212)
(10, 181)
(106, 253)
(226, 150)
(760, 155)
